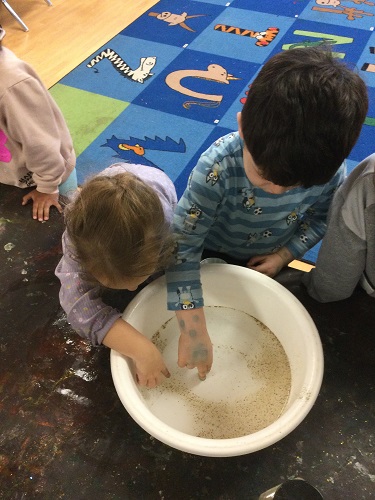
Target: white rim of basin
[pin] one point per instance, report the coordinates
(132, 399)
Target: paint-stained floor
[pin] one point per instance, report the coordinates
(65, 434)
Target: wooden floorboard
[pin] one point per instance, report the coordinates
(61, 36)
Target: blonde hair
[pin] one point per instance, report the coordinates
(118, 228)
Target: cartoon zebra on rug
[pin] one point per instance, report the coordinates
(139, 74)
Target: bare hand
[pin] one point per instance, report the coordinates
(150, 368)
(270, 264)
(42, 202)
(194, 346)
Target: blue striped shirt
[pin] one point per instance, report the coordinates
(221, 210)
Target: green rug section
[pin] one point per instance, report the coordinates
(86, 114)
(370, 121)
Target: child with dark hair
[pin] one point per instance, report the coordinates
(117, 236)
(36, 149)
(347, 255)
(261, 195)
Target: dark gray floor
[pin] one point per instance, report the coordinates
(65, 434)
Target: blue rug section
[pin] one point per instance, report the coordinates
(206, 94)
(185, 69)
(169, 148)
(199, 16)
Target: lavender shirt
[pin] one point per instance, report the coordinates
(80, 293)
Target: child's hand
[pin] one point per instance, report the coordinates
(42, 202)
(194, 346)
(150, 368)
(149, 364)
(270, 264)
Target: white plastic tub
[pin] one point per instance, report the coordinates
(233, 296)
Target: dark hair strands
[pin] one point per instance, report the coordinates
(303, 115)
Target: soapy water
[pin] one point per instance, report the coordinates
(246, 390)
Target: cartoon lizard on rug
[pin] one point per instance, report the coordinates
(133, 150)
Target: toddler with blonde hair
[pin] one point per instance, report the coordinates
(117, 236)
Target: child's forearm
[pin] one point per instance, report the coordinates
(285, 255)
(195, 347)
(125, 339)
(150, 368)
(191, 320)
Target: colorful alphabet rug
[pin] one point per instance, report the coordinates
(162, 90)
